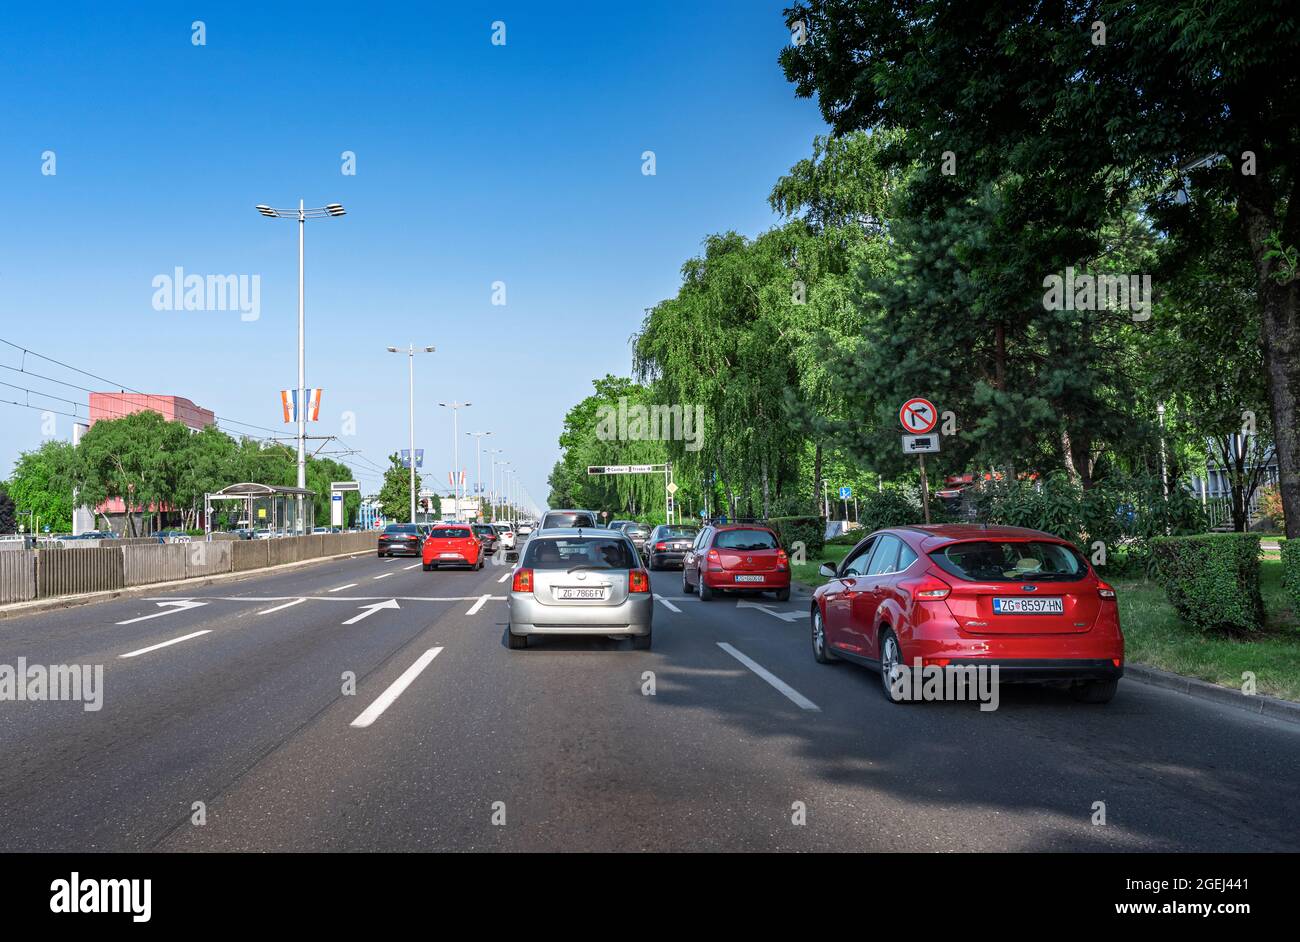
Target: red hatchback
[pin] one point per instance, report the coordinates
(452, 544)
(965, 595)
(737, 557)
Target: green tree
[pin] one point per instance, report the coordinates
(8, 519)
(139, 459)
(42, 484)
(395, 493)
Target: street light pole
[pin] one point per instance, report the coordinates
(455, 408)
(302, 214)
(493, 493)
(478, 474)
(410, 369)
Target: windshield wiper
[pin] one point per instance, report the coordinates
(587, 566)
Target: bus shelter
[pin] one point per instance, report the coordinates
(282, 510)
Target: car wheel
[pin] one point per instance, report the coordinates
(516, 642)
(641, 642)
(891, 661)
(687, 588)
(1095, 691)
(821, 650)
(783, 595)
(706, 592)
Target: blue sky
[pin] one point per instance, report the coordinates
(475, 163)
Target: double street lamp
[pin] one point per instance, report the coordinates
(302, 214)
(478, 474)
(455, 408)
(410, 352)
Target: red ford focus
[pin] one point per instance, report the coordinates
(737, 557)
(964, 595)
(452, 544)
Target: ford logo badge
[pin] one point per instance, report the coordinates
(1029, 588)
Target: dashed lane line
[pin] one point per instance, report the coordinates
(167, 644)
(268, 611)
(386, 699)
(793, 695)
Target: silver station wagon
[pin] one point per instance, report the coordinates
(580, 582)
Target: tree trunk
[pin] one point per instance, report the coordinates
(817, 478)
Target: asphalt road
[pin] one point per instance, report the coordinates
(559, 747)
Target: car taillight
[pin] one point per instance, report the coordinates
(638, 580)
(782, 560)
(523, 581)
(715, 559)
(661, 545)
(1105, 591)
(930, 590)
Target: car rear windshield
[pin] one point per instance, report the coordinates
(450, 533)
(745, 540)
(677, 533)
(401, 528)
(1011, 561)
(484, 528)
(561, 521)
(587, 552)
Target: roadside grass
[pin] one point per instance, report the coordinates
(1154, 636)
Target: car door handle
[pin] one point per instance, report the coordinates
(850, 582)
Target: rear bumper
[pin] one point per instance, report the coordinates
(1037, 670)
(530, 617)
(667, 558)
(400, 549)
(727, 580)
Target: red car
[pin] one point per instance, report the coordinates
(966, 595)
(452, 544)
(736, 557)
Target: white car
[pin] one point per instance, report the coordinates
(506, 537)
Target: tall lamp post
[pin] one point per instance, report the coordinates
(455, 408)
(302, 214)
(410, 352)
(493, 493)
(478, 457)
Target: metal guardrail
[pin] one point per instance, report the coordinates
(51, 571)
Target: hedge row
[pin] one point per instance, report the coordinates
(810, 531)
(1291, 572)
(1212, 580)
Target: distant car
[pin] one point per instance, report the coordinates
(970, 595)
(488, 534)
(668, 544)
(580, 582)
(524, 527)
(263, 534)
(566, 519)
(242, 534)
(453, 544)
(400, 539)
(736, 557)
(638, 533)
(172, 536)
(506, 537)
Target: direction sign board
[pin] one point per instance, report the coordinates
(344, 486)
(920, 444)
(846, 493)
(624, 468)
(918, 416)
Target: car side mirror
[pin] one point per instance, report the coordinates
(828, 570)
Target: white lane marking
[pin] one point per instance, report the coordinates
(667, 604)
(384, 576)
(473, 609)
(505, 577)
(155, 647)
(784, 616)
(412, 566)
(277, 608)
(175, 605)
(794, 696)
(385, 699)
(350, 585)
(368, 610)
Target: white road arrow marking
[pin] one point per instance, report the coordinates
(174, 605)
(784, 616)
(368, 610)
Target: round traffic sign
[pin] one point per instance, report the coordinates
(918, 416)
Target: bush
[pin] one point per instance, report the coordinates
(1291, 573)
(808, 530)
(892, 507)
(1212, 580)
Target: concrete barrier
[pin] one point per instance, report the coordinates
(73, 571)
(142, 565)
(18, 576)
(249, 554)
(206, 559)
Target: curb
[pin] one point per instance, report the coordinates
(37, 606)
(1286, 710)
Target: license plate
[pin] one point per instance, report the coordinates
(565, 593)
(450, 556)
(749, 578)
(1022, 605)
